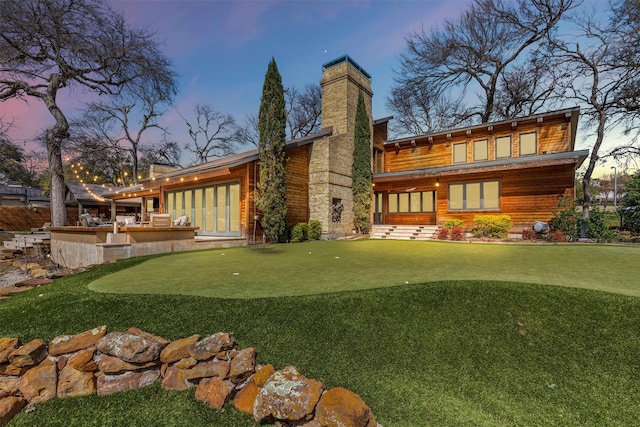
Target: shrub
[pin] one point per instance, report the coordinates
(528, 234)
(442, 234)
(452, 223)
(457, 233)
(597, 226)
(565, 218)
(491, 225)
(314, 230)
(558, 236)
(299, 232)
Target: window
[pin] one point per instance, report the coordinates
(460, 153)
(474, 196)
(480, 150)
(528, 145)
(417, 201)
(503, 147)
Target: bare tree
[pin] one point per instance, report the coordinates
(482, 54)
(593, 76)
(213, 134)
(106, 163)
(51, 45)
(248, 134)
(166, 152)
(122, 124)
(304, 110)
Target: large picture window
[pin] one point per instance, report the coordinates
(417, 201)
(503, 147)
(528, 144)
(460, 153)
(474, 196)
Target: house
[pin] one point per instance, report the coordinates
(516, 167)
(90, 198)
(16, 194)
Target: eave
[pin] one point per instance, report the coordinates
(520, 163)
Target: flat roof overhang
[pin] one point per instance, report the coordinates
(568, 158)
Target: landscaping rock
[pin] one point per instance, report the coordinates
(72, 382)
(9, 407)
(107, 384)
(287, 395)
(29, 354)
(173, 378)
(40, 383)
(148, 336)
(178, 349)
(210, 346)
(207, 370)
(262, 375)
(9, 386)
(83, 360)
(114, 365)
(7, 346)
(63, 344)
(340, 407)
(243, 365)
(246, 398)
(214, 391)
(7, 369)
(129, 347)
(186, 363)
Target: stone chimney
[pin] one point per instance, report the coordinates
(331, 160)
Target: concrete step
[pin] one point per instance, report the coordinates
(403, 232)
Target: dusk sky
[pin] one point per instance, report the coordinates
(221, 50)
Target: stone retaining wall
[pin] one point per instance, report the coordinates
(95, 361)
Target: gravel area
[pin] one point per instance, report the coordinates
(11, 275)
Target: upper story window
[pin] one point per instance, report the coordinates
(460, 153)
(480, 150)
(503, 147)
(528, 144)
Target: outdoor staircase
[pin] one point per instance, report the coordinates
(403, 232)
(30, 244)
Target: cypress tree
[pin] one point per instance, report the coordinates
(272, 120)
(361, 173)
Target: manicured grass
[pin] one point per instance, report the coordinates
(321, 267)
(464, 353)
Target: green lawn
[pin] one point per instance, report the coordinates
(321, 267)
(441, 353)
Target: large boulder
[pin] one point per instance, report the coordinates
(214, 391)
(9, 407)
(29, 354)
(63, 344)
(40, 383)
(129, 347)
(210, 346)
(107, 384)
(72, 382)
(287, 395)
(340, 407)
(178, 349)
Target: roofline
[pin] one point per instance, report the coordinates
(572, 112)
(382, 120)
(578, 156)
(346, 58)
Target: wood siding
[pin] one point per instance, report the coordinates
(297, 179)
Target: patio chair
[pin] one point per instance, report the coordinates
(86, 220)
(160, 220)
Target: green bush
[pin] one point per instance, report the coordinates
(491, 225)
(299, 232)
(314, 230)
(452, 223)
(565, 217)
(597, 226)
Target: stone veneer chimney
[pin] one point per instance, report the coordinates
(331, 159)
